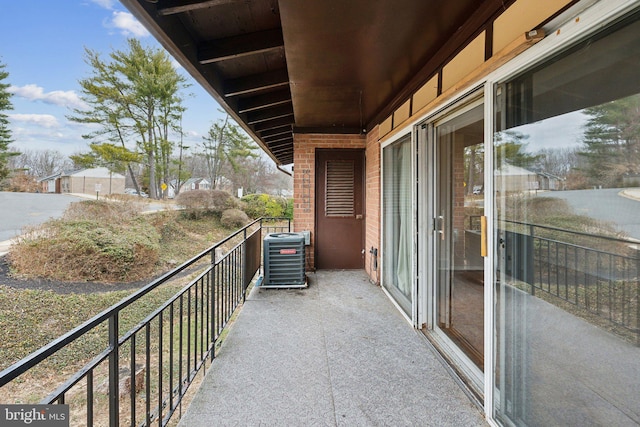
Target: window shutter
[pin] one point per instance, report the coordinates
(339, 199)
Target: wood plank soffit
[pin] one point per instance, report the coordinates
(266, 100)
(256, 83)
(240, 45)
(171, 7)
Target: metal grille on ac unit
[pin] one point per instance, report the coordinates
(284, 259)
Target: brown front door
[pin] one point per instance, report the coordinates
(339, 209)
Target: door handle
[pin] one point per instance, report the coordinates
(440, 226)
(483, 236)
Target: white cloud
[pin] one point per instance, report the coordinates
(33, 92)
(128, 24)
(106, 4)
(44, 120)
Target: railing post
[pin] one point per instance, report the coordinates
(212, 320)
(114, 401)
(533, 263)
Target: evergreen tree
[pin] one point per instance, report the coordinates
(5, 132)
(612, 141)
(135, 98)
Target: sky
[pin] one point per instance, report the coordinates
(42, 44)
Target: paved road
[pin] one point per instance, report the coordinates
(18, 210)
(604, 205)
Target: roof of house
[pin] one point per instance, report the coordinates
(99, 172)
(195, 181)
(511, 170)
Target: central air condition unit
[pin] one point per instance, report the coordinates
(284, 259)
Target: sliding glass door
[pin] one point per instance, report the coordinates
(459, 208)
(451, 198)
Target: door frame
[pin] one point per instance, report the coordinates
(427, 235)
(317, 206)
(414, 314)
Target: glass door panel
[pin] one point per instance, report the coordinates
(459, 206)
(398, 222)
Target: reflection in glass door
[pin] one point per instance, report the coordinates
(458, 209)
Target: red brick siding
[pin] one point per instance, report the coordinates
(372, 210)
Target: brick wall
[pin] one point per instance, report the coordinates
(304, 148)
(372, 210)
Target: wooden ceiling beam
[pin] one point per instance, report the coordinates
(279, 138)
(256, 83)
(240, 45)
(281, 150)
(272, 124)
(269, 114)
(171, 7)
(285, 160)
(258, 102)
(342, 130)
(282, 130)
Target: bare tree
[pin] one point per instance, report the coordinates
(226, 145)
(558, 161)
(41, 163)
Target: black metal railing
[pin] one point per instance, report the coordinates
(139, 376)
(595, 273)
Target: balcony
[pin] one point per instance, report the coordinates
(337, 353)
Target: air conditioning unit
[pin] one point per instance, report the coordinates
(284, 260)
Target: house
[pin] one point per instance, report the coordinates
(50, 184)
(548, 181)
(510, 178)
(385, 108)
(85, 181)
(195, 184)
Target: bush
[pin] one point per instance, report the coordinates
(234, 218)
(102, 210)
(202, 202)
(221, 201)
(259, 205)
(88, 250)
(289, 211)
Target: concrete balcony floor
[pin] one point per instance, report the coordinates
(335, 354)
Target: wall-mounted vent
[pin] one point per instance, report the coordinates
(340, 190)
(284, 260)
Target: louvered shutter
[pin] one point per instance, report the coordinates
(339, 199)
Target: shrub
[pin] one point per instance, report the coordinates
(289, 211)
(221, 201)
(195, 202)
(102, 210)
(234, 218)
(20, 182)
(88, 250)
(258, 205)
(202, 202)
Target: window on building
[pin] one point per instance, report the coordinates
(398, 222)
